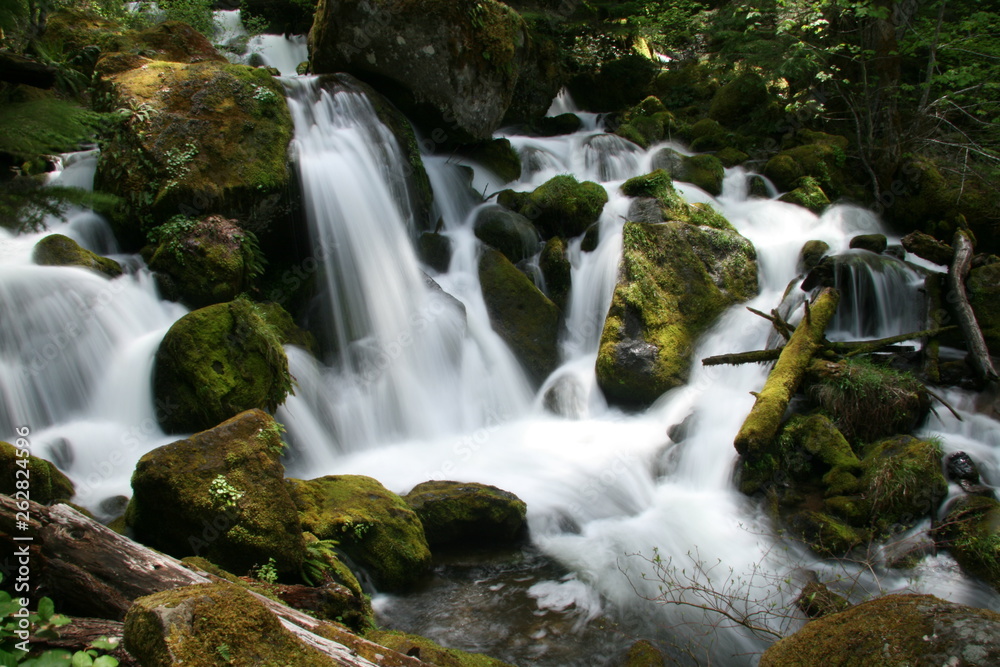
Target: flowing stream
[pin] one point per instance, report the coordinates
(413, 384)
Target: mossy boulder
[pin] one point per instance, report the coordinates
(467, 513)
(525, 319)
(434, 250)
(202, 262)
(212, 624)
(203, 137)
(893, 630)
(731, 157)
(876, 243)
(705, 171)
(557, 271)
(553, 126)
(216, 362)
(738, 100)
(59, 250)
(686, 83)
(812, 254)
(509, 232)
(452, 66)
(983, 285)
(868, 401)
(281, 17)
(901, 481)
(810, 456)
(808, 194)
(561, 206)
(176, 41)
(430, 652)
(643, 654)
(48, 484)
(674, 281)
(825, 161)
(971, 533)
(373, 526)
(220, 494)
(826, 534)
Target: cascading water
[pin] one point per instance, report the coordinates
(76, 353)
(415, 385)
(605, 490)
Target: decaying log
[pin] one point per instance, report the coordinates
(15, 68)
(978, 352)
(780, 325)
(856, 348)
(736, 358)
(762, 424)
(80, 561)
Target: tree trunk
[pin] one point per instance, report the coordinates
(18, 69)
(764, 420)
(979, 354)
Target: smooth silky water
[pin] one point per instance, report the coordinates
(413, 384)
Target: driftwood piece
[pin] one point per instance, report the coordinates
(80, 561)
(856, 348)
(978, 352)
(762, 424)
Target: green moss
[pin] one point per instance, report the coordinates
(826, 534)
(372, 525)
(643, 654)
(705, 215)
(47, 483)
(557, 271)
(498, 156)
(705, 171)
(216, 362)
(971, 532)
(807, 194)
(431, 652)
(739, 99)
(675, 280)
(509, 232)
(212, 134)
(868, 401)
(731, 157)
(811, 254)
(524, 317)
(561, 206)
(467, 513)
(59, 250)
(174, 509)
(209, 625)
(902, 481)
(784, 171)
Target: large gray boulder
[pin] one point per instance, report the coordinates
(451, 66)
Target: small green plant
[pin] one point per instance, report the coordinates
(358, 530)
(172, 233)
(223, 651)
(316, 564)
(268, 572)
(179, 163)
(271, 436)
(17, 624)
(262, 94)
(224, 495)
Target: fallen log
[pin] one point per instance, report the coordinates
(979, 354)
(764, 420)
(927, 247)
(85, 565)
(736, 358)
(15, 69)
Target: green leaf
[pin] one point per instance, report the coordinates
(46, 608)
(106, 661)
(105, 644)
(82, 659)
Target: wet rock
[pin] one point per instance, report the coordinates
(498, 156)
(757, 187)
(48, 484)
(372, 525)
(894, 630)
(971, 533)
(430, 652)
(817, 600)
(643, 654)
(209, 623)
(451, 66)
(203, 262)
(524, 317)
(509, 232)
(808, 194)
(557, 272)
(737, 100)
(561, 206)
(876, 243)
(216, 362)
(460, 513)
(961, 468)
(59, 250)
(675, 279)
(434, 250)
(811, 255)
(220, 494)
(617, 85)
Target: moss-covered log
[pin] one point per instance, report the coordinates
(762, 423)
